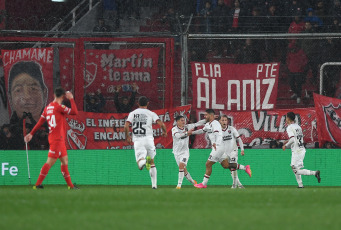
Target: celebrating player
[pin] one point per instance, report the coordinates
(213, 128)
(142, 120)
(55, 114)
(230, 136)
(180, 134)
(297, 150)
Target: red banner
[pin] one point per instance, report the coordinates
(105, 69)
(328, 115)
(66, 64)
(28, 76)
(235, 87)
(258, 128)
(106, 131)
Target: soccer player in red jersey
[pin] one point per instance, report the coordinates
(55, 114)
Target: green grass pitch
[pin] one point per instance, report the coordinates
(140, 207)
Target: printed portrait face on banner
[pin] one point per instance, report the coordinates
(27, 91)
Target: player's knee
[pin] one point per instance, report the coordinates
(294, 169)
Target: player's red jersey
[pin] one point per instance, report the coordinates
(55, 114)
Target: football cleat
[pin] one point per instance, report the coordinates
(234, 186)
(195, 182)
(149, 159)
(300, 187)
(248, 170)
(317, 175)
(154, 187)
(200, 185)
(38, 187)
(177, 187)
(241, 186)
(74, 187)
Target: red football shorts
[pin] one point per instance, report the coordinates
(57, 150)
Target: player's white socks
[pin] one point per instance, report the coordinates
(181, 177)
(241, 167)
(305, 172)
(189, 178)
(153, 176)
(299, 180)
(142, 163)
(206, 178)
(234, 176)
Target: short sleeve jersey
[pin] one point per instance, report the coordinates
(214, 132)
(295, 131)
(55, 114)
(230, 135)
(142, 123)
(180, 145)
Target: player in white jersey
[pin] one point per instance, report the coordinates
(213, 128)
(142, 120)
(230, 138)
(180, 134)
(297, 150)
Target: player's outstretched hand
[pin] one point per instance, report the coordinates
(214, 146)
(68, 95)
(28, 138)
(164, 134)
(242, 153)
(283, 147)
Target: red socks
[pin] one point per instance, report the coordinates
(66, 175)
(43, 172)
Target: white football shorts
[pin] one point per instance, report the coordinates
(182, 158)
(297, 159)
(217, 155)
(144, 147)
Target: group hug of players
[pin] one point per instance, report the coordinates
(223, 138)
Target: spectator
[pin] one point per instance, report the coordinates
(110, 10)
(127, 104)
(101, 26)
(272, 25)
(255, 23)
(311, 48)
(296, 63)
(95, 102)
(296, 26)
(334, 27)
(248, 53)
(313, 19)
(206, 13)
(170, 18)
(321, 12)
(238, 15)
(336, 9)
(275, 144)
(7, 141)
(220, 25)
(329, 145)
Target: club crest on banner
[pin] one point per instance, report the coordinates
(90, 74)
(75, 133)
(332, 115)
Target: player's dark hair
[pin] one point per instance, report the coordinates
(291, 116)
(59, 91)
(143, 101)
(29, 67)
(223, 115)
(178, 117)
(210, 111)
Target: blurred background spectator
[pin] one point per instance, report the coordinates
(126, 104)
(95, 102)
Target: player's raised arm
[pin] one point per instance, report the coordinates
(74, 110)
